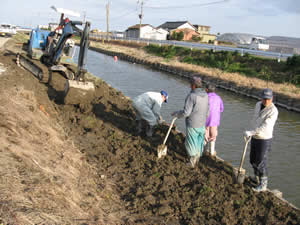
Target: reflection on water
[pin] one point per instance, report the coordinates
(284, 167)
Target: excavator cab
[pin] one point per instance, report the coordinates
(54, 50)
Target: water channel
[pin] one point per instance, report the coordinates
(284, 166)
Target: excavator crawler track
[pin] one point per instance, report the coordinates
(39, 70)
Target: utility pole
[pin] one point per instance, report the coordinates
(141, 17)
(107, 19)
(84, 16)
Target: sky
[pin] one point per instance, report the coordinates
(259, 17)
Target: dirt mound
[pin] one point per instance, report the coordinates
(83, 164)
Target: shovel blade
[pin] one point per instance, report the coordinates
(239, 175)
(162, 151)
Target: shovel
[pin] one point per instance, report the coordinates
(240, 173)
(162, 149)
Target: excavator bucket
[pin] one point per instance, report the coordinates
(77, 92)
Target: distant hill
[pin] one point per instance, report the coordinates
(288, 41)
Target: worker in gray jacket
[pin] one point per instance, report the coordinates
(147, 107)
(264, 119)
(195, 111)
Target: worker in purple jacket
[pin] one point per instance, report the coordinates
(216, 107)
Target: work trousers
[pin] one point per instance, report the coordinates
(259, 156)
(194, 141)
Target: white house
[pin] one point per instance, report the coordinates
(147, 32)
(157, 34)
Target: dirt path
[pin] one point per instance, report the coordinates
(83, 164)
(2, 41)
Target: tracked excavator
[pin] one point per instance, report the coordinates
(50, 52)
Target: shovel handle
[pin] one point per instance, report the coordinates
(171, 125)
(244, 152)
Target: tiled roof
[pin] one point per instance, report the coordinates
(172, 25)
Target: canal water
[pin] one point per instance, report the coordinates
(284, 166)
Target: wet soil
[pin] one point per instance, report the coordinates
(84, 164)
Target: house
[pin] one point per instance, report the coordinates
(204, 33)
(181, 26)
(146, 31)
(170, 26)
(188, 34)
(201, 29)
(157, 34)
(117, 34)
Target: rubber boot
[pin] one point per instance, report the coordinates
(194, 160)
(149, 131)
(254, 179)
(206, 148)
(212, 149)
(262, 185)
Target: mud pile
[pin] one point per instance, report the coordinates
(164, 191)
(121, 180)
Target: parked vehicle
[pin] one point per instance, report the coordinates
(7, 29)
(259, 43)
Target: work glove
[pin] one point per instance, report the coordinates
(248, 133)
(160, 120)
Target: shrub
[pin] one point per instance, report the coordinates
(188, 59)
(266, 69)
(293, 61)
(180, 36)
(177, 35)
(265, 73)
(196, 38)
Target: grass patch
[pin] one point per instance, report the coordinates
(21, 37)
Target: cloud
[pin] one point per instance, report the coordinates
(266, 7)
(291, 6)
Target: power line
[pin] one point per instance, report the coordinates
(124, 15)
(116, 17)
(186, 6)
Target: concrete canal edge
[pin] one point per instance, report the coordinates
(281, 100)
(253, 92)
